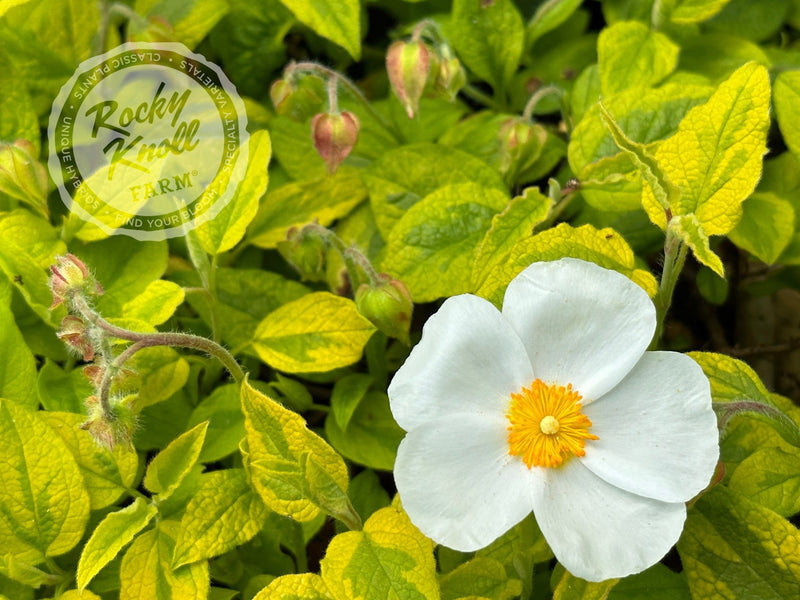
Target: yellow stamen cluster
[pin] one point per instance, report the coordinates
(547, 425)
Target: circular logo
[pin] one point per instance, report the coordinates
(148, 140)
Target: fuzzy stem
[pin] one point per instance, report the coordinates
(333, 98)
(674, 258)
(353, 259)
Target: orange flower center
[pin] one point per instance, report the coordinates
(547, 425)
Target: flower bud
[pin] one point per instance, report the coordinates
(117, 427)
(74, 333)
(70, 274)
(22, 176)
(305, 251)
(334, 136)
(520, 145)
(450, 78)
(408, 65)
(388, 306)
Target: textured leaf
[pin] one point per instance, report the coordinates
(191, 20)
(390, 558)
(689, 229)
(316, 333)
(655, 583)
(602, 246)
(17, 364)
(631, 55)
(347, 394)
(158, 373)
(112, 534)
(44, 506)
(224, 513)
(18, 119)
(60, 390)
(767, 226)
(787, 108)
(770, 477)
(24, 573)
(730, 545)
(431, 247)
(169, 467)
(156, 303)
(294, 471)
(223, 411)
(549, 15)
(339, 21)
(305, 586)
(575, 588)
(481, 576)
(693, 11)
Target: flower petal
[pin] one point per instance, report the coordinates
(581, 324)
(469, 360)
(457, 482)
(598, 531)
(657, 432)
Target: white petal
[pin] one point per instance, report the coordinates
(458, 484)
(469, 360)
(598, 531)
(657, 433)
(581, 324)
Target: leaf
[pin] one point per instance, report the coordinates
(549, 15)
(339, 21)
(107, 474)
(159, 372)
(173, 463)
(631, 55)
(488, 37)
(24, 573)
(689, 229)
(655, 583)
(44, 506)
(112, 534)
(770, 477)
(18, 119)
(62, 391)
(481, 576)
(685, 12)
(315, 333)
(575, 588)
(766, 228)
(390, 558)
(731, 545)
(304, 586)
(786, 97)
(296, 204)
(156, 303)
(191, 20)
(431, 247)
(347, 394)
(224, 513)
(146, 574)
(715, 157)
(17, 363)
(227, 228)
(604, 247)
(294, 471)
(400, 178)
(223, 412)
(515, 223)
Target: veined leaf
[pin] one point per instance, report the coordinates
(771, 477)
(767, 226)
(575, 588)
(481, 576)
(304, 586)
(549, 15)
(338, 21)
(689, 229)
(17, 364)
(156, 303)
(173, 463)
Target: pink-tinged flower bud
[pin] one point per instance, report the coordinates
(70, 274)
(408, 65)
(520, 145)
(74, 334)
(298, 100)
(117, 427)
(334, 136)
(450, 78)
(22, 176)
(388, 306)
(306, 252)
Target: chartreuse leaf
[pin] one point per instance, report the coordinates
(18, 119)
(223, 411)
(574, 588)
(389, 559)
(17, 364)
(631, 55)
(340, 22)
(156, 303)
(549, 15)
(771, 477)
(24, 573)
(61, 390)
(431, 247)
(158, 373)
(787, 108)
(146, 572)
(732, 547)
(79, 595)
(227, 228)
(108, 474)
(715, 157)
(685, 12)
(295, 471)
(110, 536)
(767, 226)
(298, 203)
(488, 38)
(169, 467)
(515, 223)
(602, 246)
(222, 514)
(44, 506)
(304, 586)
(481, 576)
(689, 229)
(317, 332)
(191, 20)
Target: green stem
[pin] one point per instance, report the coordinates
(472, 92)
(354, 261)
(547, 90)
(299, 548)
(674, 258)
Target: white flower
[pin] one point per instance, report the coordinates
(553, 406)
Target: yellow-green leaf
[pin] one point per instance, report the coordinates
(767, 226)
(17, 364)
(338, 21)
(222, 514)
(689, 229)
(771, 477)
(173, 463)
(732, 546)
(295, 471)
(156, 303)
(107, 473)
(388, 559)
(685, 12)
(24, 573)
(44, 506)
(715, 158)
(602, 246)
(787, 108)
(315, 333)
(482, 576)
(304, 586)
(158, 373)
(191, 21)
(227, 228)
(575, 588)
(146, 572)
(110, 536)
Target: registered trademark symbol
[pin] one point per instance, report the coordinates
(194, 173)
